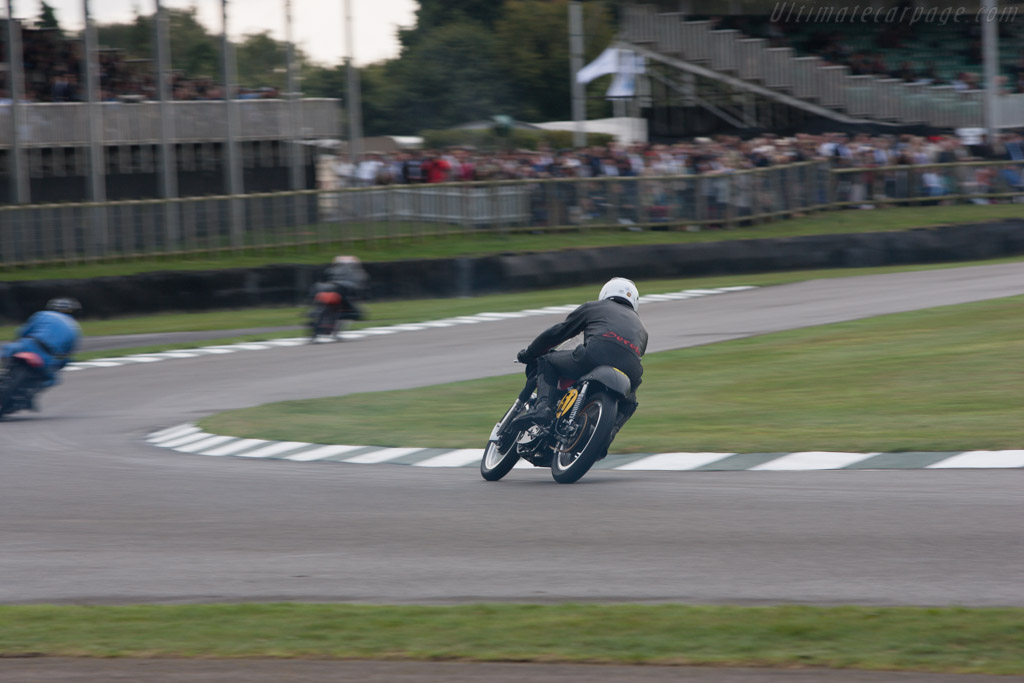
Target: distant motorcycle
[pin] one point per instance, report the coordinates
(582, 429)
(331, 313)
(21, 377)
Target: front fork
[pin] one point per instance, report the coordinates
(503, 422)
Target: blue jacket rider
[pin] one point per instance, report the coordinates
(53, 334)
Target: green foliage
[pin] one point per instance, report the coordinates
(47, 17)
(262, 61)
(453, 74)
(472, 59)
(532, 37)
(194, 50)
(463, 60)
(433, 14)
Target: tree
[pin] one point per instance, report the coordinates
(194, 50)
(532, 39)
(450, 76)
(434, 14)
(47, 17)
(261, 61)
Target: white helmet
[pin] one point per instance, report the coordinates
(622, 289)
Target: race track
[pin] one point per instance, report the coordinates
(92, 514)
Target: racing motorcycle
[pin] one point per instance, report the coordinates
(331, 313)
(20, 378)
(586, 413)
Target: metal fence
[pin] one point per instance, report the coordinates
(76, 233)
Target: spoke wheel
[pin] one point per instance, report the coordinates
(578, 453)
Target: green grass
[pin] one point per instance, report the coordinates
(941, 379)
(952, 640)
(397, 312)
(492, 242)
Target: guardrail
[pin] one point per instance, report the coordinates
(76, 233)
(66, 124)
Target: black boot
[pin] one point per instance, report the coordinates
(542, 412)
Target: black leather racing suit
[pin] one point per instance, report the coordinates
(612, 335)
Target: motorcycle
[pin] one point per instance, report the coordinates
(331, 313)
(586, 412)
(20, 379)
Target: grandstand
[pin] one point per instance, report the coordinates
(748, 71)
(53, 131)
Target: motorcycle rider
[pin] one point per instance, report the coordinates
(53, 334)
(347, 277)
(612, 335)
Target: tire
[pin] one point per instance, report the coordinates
(499, 458)
(322, 323)
(597, 418)
(11, 381)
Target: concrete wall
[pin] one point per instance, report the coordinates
(430, 278)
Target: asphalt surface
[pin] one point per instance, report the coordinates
(93, 515)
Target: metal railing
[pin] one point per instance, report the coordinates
(810, 78)
(54, 124)
(76, 233)
(977, 182)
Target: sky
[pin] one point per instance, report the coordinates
(318, 24)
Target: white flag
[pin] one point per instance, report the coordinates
(606, 63)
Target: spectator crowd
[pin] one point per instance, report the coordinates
(703, 179)
(53, 73)
(701, 155)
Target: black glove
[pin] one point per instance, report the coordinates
(525, 357)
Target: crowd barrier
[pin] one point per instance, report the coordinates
(37, 234)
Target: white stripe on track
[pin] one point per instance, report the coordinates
(382, 455)
(321, 453)
(458, 458)
(813, 460)
(169, 431)
(235, 447)
(982, 459)
(208, 442)
(174, 444)
(674, 461)
(276, 448)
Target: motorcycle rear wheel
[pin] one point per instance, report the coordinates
(324, 321)
(596, 419)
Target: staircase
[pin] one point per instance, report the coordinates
(778, 73)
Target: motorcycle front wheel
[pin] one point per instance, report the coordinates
(575, 456)
(12, 381)
(501, 456)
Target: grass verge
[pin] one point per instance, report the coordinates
(398, 312)
(941, 379)
(491, 242)
(952, 640)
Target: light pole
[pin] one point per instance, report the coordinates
(355, 114)
(233, 170)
